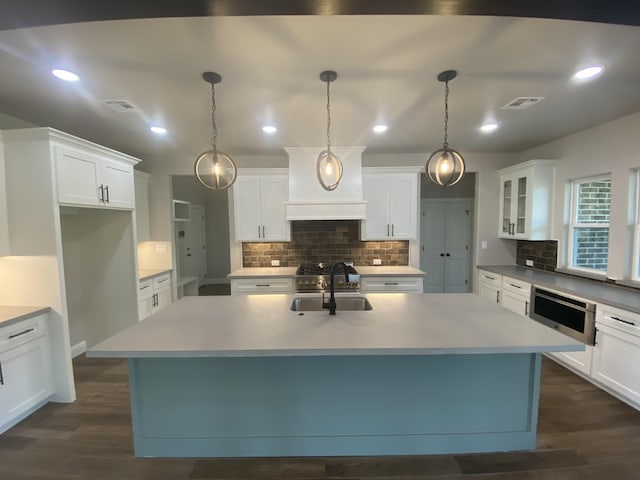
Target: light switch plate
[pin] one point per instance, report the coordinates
(377, 261)
(528, 263)
(483, 244)
(275, 263)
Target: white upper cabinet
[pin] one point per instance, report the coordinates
(259, 205)
(92, 179)
(392, 204)
(526, 200)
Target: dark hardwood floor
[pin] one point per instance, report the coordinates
(584, 434)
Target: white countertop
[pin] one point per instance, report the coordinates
(10, 313)
(251, 272)
(390, 271)
(399, 324)
(143, 274)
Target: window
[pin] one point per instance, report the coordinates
(589, 224)
(635, 269)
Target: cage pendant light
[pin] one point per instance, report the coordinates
(445, 166)
(328, 165)
(215, 169)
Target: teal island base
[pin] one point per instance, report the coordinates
(334, 405)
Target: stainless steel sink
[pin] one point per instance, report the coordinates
(345, 304)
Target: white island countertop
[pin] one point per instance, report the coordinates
(399, 324)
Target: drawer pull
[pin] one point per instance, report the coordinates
(146, 286)
(514, 286)
(21, 333)
(263, 285)
(490, 278)
(627, 322)
(391, 283)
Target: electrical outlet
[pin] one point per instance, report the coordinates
(483, 244)
(528, 263)
(377, 261)
(275, 263)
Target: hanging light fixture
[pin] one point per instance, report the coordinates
(445, 166)
(328, 166)
(215, 169)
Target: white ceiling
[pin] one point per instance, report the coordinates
(387, 68)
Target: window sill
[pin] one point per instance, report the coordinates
(628, 283)
(583, 273)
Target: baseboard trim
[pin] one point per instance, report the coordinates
(78, 349)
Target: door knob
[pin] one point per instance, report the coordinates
(448, 254)
(442, 254)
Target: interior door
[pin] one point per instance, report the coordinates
(195, 245)
(445, 245)
(432, 248)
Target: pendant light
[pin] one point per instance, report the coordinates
(328, 166)
(445, 166)
(215, 169)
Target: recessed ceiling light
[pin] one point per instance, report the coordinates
(380, 128)
(489, 127)
(588, 72)
(269, 129)
(158, 130)
(65, 75)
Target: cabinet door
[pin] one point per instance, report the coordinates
(77, 176)
(615, 362)
(375, 190)
(26, 378)
(403, 206)
(163, 298)
(246, 196)
(520, 204)
(579, 361)
(145, 306)
(273, 195)
(515, 303)
(506, 196)
(490, 292)
(117, 181)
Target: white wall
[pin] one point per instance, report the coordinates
(612, 147)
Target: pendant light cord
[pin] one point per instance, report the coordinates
(446, 114)
(214, 136)
(328, 118)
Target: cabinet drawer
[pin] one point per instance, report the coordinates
(517, 287)
(391, 284)
(490, 278)
(22, 332)
(161, 281)
(622, 320)
(265, 285)
(145, 287)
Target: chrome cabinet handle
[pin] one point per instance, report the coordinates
(21, 333)
(259, 232)
(263, 284)
(391, 283)
(106, 189)
(263, 231)
(526, 307)
(490, 278)
(514, 286)
(387, 229)
(101, 188)
(497, 296)
(392, 230)
(627, 322)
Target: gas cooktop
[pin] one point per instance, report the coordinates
(315, 277)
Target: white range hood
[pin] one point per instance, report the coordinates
(309, 201)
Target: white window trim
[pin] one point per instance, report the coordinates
(635, 257)
(573, 184)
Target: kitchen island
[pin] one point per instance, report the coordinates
(245, 376)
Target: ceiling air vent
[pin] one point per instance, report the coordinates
(522, 103)
(121, 106)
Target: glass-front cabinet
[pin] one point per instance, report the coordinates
(526, 200)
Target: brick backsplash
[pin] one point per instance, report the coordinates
(314, 241)
(543, 253)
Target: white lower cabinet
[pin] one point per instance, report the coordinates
(25, 369)
(577, 361)
(391, 284)
(264, 285)
(153, 294)
(516, 295)
(490, 286)
(617, 352)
